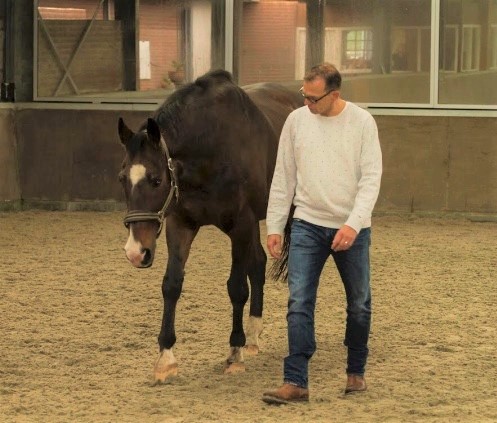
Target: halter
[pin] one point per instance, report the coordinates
(146, 216)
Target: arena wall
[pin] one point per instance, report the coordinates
(10, 189)
(69, 159)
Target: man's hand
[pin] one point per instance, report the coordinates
(344, 238)
(274, 245)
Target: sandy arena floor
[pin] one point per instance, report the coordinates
(79, 327)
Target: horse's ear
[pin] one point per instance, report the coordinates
(153, 131)
(124, 132)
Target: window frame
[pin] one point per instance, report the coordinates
(132, 99)
(475, 56)
(345, 30)
(139, 101)
(455, 63)
(419, 39)
(493, 46)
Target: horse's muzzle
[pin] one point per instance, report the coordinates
(142, 260)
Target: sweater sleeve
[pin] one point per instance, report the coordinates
(283, 183)
(370, 176)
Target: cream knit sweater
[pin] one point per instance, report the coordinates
(330, 167)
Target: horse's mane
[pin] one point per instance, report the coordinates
(191, 117)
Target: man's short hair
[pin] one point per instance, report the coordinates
(328, 72)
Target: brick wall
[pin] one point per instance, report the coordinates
(159, 26)
(268, 42)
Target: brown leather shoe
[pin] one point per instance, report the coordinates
(285, 394)
(355, 383)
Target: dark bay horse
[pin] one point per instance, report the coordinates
(205, 158)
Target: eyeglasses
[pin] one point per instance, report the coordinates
(314, 100)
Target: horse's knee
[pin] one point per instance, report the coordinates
(257, 267)
(171, 287)
(238, 291)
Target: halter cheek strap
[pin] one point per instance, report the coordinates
(146, 216)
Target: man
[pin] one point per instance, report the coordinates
(329, 165)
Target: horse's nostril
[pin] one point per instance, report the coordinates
(147, 257)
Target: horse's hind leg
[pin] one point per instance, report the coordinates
(179, 238)
(242, 235)
(257, 277)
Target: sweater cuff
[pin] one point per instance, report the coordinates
(274, 230)
(355, 223)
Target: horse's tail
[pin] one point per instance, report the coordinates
(279, 268)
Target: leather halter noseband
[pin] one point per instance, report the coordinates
(146, 216)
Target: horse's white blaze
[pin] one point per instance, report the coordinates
(134, 250)
(136, 174)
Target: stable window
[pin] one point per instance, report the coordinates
(404, 53)
(450, 51)
(493, 46)
(2, 44)
(467, 75)
(471, 45)
(410, 49)
(382, 50)
(124, 51)
(357, 50)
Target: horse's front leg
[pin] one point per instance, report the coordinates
(238, 292)
(179, 237)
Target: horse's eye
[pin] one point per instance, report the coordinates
(156, 182)
(122, 177)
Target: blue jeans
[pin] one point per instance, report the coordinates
(310, 247)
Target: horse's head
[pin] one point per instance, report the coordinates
(149, 184)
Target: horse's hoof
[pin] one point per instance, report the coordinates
(165, 367)
(232, 368)
(251, 349)
(163, 373)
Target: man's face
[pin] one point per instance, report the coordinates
(318, 98)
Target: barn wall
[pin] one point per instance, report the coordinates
(438, 164)
(266, 25)
(69, 159)
(66, 158)
(10, 190)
